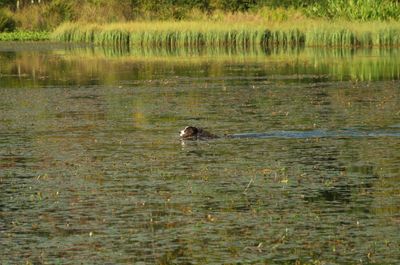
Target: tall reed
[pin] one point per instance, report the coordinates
(239, 35)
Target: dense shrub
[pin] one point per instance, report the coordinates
(364, 10)
(48, 14)
(7, 23)
(44, 16)
(229, 5)
(287, 3)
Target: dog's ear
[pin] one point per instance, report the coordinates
(190, 130)
(194, 129)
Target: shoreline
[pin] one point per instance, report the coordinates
(240, 35)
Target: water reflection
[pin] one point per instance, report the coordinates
(75, 65)
(91, 166)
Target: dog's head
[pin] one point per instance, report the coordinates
(189, 132)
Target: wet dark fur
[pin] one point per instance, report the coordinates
(194, 133)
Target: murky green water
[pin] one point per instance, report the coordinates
(92, 170)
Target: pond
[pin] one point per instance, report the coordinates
(92, 169)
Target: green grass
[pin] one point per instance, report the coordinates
(362, 10)
(238, 34)
(24, 36)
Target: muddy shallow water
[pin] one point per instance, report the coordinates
(92, 170)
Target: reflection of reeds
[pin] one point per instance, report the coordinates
(80, 63)
(340, 64)
(239, 35)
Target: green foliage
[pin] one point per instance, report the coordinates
(7, 23)
(166, 9)
(6, 3)
(44, 17)
(62, 9)
(163, 9)
(286, 3)
(24, 36)
(47, 15)
(232, 6)
(364, 10)
(347, 9)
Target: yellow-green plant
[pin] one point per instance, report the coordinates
(170, 34)
(24, 36)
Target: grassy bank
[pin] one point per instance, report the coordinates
(239, 34)
(215, 23)
(46, 15)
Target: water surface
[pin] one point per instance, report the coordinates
(92, 170)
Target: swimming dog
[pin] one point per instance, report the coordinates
(194, 133)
